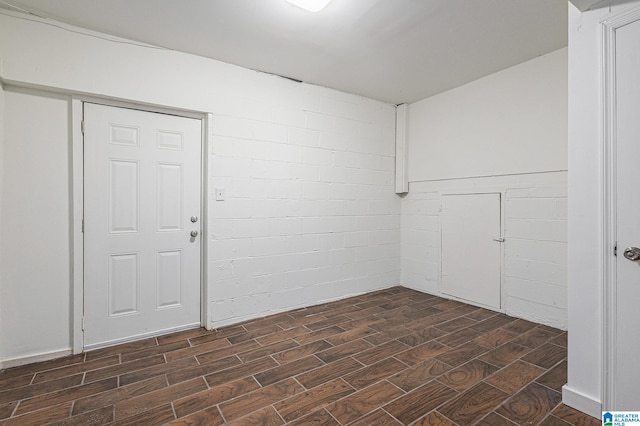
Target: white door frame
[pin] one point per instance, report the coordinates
(608, 28)
(77, 208)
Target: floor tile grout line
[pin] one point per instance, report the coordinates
(173, 409)
(278, 413)
(395, 418)
(15, 408)
(548, 414)
(332, 416)
(541, 384)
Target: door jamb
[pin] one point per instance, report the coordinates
(77, 206)
(77, 237)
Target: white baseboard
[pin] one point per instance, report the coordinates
(45, 356)
(581, 402)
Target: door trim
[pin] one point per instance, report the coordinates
(77, 207)
(608, 202)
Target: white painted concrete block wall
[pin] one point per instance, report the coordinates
(535, 269)
(309, 213)
(534, 272)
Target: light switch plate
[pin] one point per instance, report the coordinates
(219, 194)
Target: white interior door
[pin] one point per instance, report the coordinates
(627, 374)
(470, 252)
(141, 190)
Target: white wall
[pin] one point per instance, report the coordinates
(585, 226)
(585, 257)
(34, 231)
(513, 121)
(504, 133)
(310, 213)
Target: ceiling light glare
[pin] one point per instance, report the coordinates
(310, 5)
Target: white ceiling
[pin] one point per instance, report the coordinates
(393, 50)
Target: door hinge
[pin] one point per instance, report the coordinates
(82, 126)
(83, 226)
(615, 249)
(82, 323)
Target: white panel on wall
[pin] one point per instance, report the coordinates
(35, 226)
(169, 181)
(123, 284)
(123, 193)
(470, 250)
(169, 278)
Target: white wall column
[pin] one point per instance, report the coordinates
(402, 136)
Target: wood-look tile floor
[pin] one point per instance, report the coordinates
(393, 357)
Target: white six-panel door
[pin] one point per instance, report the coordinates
(141, 204)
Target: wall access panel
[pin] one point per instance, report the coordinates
(471, 248)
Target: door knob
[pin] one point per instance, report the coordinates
(194, 233)
(194, 219)
(632, 253)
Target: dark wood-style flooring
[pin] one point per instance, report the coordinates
(393, 357)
